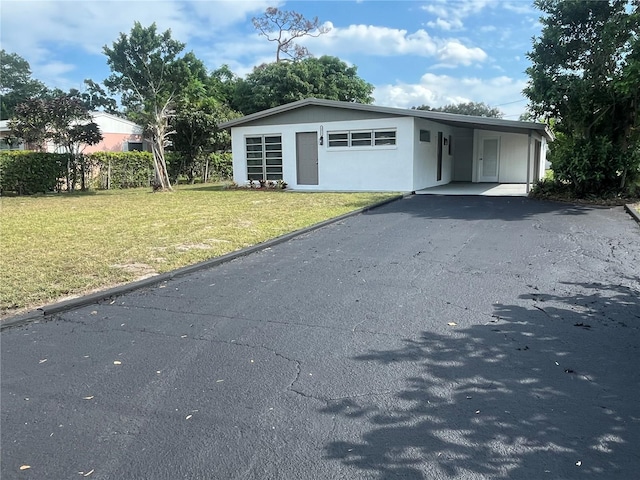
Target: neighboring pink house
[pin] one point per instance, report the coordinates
(119, 135)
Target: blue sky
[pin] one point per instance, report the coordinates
(414, 52)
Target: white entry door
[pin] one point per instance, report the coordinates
(488, 162)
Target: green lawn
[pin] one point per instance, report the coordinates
(53, 246)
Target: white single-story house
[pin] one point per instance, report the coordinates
(317, 144)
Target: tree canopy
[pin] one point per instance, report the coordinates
(476, 109)
(198, 112)
(16, 84)
(150, 76)
(273, 84)
(61, 119)
(284, 28)
(585, 73)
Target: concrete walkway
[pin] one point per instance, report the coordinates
(432, 338)
(484, 189)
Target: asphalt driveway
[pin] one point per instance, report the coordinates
(432, 338)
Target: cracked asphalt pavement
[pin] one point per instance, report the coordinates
(431, 338)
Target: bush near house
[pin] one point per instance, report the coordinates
(115, 170)
(27, 173)
(221, 166)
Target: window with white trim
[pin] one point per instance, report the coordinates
(264, 157)
(425, 136)
(362, 138)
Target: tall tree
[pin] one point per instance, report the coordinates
(223, 83)
(284, 28)
(196, 133)
(63, 120)
(92, 96)
(96, 98)
(273, 84)
(16, 84)
(149, 74)
(586, 73)
(476, 109)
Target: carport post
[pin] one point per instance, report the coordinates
(529, 163)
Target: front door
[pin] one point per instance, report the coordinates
(488, 162)
(307, 158)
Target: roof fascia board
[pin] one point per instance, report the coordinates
(403, 112)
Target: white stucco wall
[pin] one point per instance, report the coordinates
(425, 172)
(377, 168)
(512, 166)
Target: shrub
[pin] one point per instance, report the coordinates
(26, 172)
(211, 166)
(122, 169)
(594, 165)
(221, 166)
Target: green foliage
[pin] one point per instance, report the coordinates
(16, 84)
(585, 74)
(149, 74)
(274, 84)
(145, 68)
(94, 97)
(476, 109)
(220, 166)
(586, 164)
(63, 120)
(27, 173)
(222, 84)
(122, 169)
(196, 132)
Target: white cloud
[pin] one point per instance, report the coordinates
(453, 24)
(33, 29)
(519, 7)
(384, 41)
(450, 14)
(439, 90)
(455, 52)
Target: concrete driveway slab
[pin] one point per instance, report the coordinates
(431, 338)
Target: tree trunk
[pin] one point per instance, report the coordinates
(163, 181)
(69, 181)
(83, 172)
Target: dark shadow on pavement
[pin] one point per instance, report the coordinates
(548, 389)
(472, 208)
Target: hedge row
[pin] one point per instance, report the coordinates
(26, 173)
(122, 169)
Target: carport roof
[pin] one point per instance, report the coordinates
(451, 119)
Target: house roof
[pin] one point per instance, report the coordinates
(451, 119)
(96, 116)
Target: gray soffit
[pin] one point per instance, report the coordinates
(451, 119)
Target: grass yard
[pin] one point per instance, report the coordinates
(55, 246)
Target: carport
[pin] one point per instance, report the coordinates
(484, 189)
